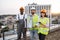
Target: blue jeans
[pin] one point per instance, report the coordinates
(33, 35)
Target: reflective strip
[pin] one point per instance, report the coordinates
(43, 30)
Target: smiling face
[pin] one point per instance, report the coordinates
(42, 14)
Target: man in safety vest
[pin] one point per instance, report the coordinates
(33, 21)
(43, 28)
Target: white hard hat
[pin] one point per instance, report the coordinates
(33, 8)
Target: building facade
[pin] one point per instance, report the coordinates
(38, 8)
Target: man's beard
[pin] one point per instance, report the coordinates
(32, 13)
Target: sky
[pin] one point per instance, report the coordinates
(12, 6)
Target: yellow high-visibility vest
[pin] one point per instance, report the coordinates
(41, 29)
(35, 21)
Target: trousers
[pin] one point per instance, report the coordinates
(33, 35)
(21, 30)
(41, 36)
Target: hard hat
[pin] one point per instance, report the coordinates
(33, 8)
(43, 11)
(21, 8)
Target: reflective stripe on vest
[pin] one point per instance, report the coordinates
(43, 31)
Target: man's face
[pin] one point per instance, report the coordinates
(33, 11)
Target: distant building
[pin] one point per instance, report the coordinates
(38, 8)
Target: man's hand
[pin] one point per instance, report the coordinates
(44, 26)
(17, 20)
(35, 26)
(39, 22)
(25, 29)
